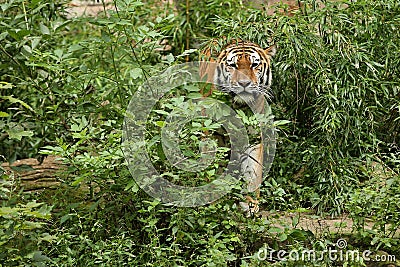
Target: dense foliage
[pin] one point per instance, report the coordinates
(65, 84)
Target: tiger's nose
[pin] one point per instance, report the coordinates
(244, 83)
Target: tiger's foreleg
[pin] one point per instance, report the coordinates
(251, 168)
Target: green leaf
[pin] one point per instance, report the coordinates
(192, 88)
(33, 204)
(105, 37)
(174, 230)
(43, 29)
(274, 230)
(132, 186)
(299, 235)
(8, 211)
(18, 35)
(74, 48)
(235, 239)
(78, 180)
(65, 218)
(18, 134)
(5, 85)
(281, 122)
(295, 221)
(3, 114)
(16, 100)
(28, 49)
(136, 73)
(170, 58)
(28, 225)
(39, 257)
(282, 237)
(59, 53)
(160, 123)
(48, 238)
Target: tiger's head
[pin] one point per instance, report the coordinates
(244, 69)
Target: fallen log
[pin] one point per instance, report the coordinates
(32, 175)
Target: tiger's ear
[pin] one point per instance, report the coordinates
(271, 51)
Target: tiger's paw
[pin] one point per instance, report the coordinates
(250, 207)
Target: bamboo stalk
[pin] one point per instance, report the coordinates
(187, 29)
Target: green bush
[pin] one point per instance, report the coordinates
(377, 201)
(22, 226)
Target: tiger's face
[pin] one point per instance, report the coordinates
(244, 69)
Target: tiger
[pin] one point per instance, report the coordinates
(243, 70)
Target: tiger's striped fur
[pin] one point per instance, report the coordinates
(244, 70)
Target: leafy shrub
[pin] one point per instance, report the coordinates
(23, 226)
(29, 31)
(378, 201)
